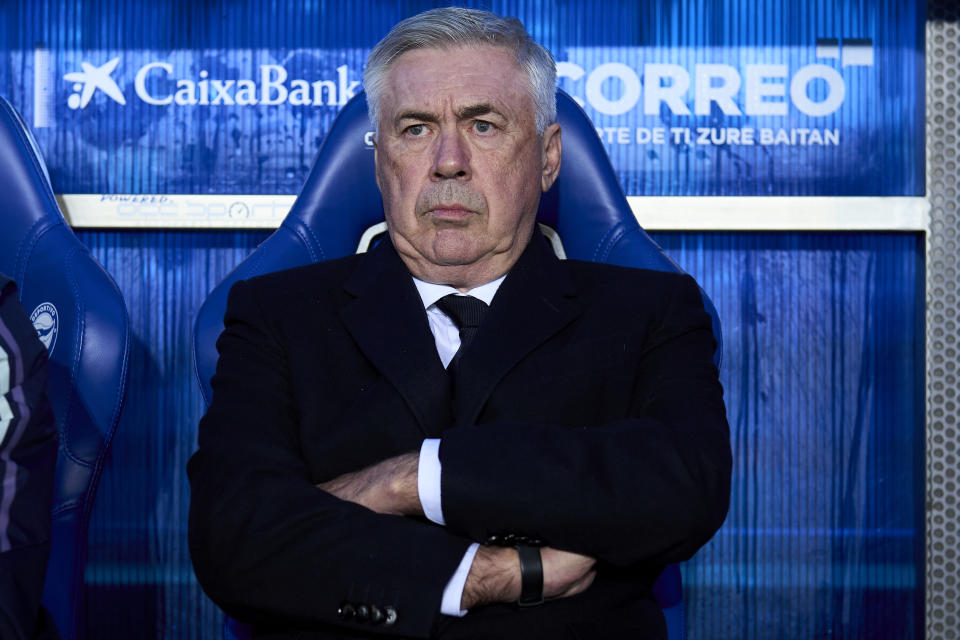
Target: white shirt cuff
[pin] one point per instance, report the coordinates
(453, 592)
(428, 482)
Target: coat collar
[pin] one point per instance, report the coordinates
(387, 319)
(535, 301)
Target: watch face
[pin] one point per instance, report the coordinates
(238, 210)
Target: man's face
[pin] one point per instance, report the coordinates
(459, 162)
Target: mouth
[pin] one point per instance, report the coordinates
(450, 212)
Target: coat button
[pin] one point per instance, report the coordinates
(376, 614)
(390, 616)
(363, 612)
(345, 611)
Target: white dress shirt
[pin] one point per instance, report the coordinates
(447, 337)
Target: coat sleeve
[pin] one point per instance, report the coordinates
(650, 487)
(266, 544)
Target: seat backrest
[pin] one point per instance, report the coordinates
(340, 200)
(81, 318)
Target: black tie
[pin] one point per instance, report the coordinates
(466, 312)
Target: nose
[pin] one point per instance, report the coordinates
(452, 159)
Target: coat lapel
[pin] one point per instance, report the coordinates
(535, 301)
(387, 319)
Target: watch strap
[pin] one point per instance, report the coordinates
(531, 576)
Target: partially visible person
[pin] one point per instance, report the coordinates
(28, 456)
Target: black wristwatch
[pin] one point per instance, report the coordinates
(531, 576)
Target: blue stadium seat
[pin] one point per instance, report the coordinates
(340, 201)
(82, 320)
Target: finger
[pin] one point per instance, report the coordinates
(580, 585)
(562, 570)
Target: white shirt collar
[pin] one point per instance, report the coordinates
(430, 293)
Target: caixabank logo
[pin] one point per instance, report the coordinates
(90, 79)
(187, 121)
(163, 82)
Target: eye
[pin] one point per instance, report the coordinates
(482, 126)
(415, 130)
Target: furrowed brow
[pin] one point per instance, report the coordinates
(422, 116)
(476, 110)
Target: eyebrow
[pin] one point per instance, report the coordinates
(425, 116)
(467, 113)
(475, 110)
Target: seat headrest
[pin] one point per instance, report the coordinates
(24, 182)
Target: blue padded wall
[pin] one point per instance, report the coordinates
(823, 371)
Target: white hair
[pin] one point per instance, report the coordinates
(456, 26)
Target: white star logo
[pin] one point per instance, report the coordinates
(91, 79)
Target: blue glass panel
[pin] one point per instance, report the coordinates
(823, 378)
(140, 580)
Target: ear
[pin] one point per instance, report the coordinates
(376, 160)
(551, 148)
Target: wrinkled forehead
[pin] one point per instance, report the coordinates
(454, 76)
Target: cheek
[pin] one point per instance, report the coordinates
(514, 181)
(514, 190)
(394, 182)
(407, 178)
(521, 164)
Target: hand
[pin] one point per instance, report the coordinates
(495, 575)
(389, 486)
(566, 573)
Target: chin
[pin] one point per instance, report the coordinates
(451, 249)
(454, 258)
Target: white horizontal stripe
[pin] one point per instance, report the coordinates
(165, 211)
(808, 213)
(681, 213)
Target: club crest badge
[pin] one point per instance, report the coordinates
(46, 321)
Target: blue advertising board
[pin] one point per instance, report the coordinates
(690, 98)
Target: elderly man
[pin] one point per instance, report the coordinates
(457, 435)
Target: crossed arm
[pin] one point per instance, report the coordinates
(651, 486)
(268, 545)
(390, 487)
